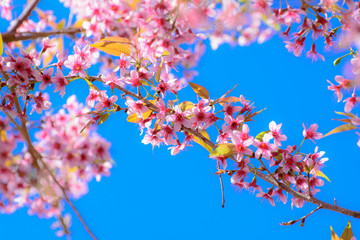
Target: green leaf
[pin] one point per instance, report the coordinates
(103, 118)
(321, 174)
(261, 135)
(347, 234)
(342, 128)
(199, 90)
(224, 150)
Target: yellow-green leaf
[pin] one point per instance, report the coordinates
(333, 234)
(79, 23)
(186, 105)
(134, 118)
(321, 174)
(114, 45)
(224, 150)
(342, 128)
(261, 135)
(91, 85)
(202, 143)
(61, 24)
(199, 90)
(346, 114)
(1, 45)
(103, 118)
(347, 234)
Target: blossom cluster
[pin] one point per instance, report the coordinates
(152, 40)
(73, 156)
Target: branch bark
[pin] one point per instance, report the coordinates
(24, 15)
(15, 36)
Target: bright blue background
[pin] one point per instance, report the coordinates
(153, 195)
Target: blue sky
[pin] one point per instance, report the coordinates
(153, 195)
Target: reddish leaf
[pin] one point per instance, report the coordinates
(224, 100)
(199, 90)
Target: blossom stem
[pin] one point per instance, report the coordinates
(300, 146)
(266, 169)
(222, 186)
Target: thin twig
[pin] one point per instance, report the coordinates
(24, 15)
(266, 169)
(301, 219)
(222, 187)
(67, 199)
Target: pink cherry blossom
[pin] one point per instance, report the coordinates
(41, 103)
(45, 78)
(179, 118)
(241, 146)
(264, 147)
(275, 132)
(60, 82)
(77, 64)
(311, 133)
(123, 64)
(350, 102)
(136, 107)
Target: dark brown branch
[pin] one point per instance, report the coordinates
(13, 36)
(24, 15)
(259, 174)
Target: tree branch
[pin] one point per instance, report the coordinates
(259, 174)
(24, 15)
(301, 219)
(22, 36)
